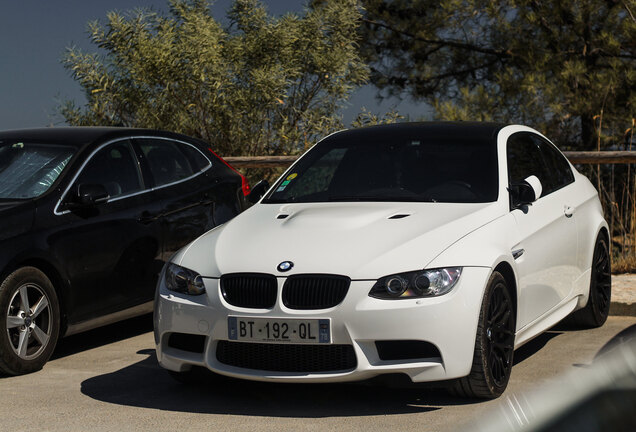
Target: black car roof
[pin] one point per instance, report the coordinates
(79, 136)
(478, 130)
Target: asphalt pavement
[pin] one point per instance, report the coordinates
(108, 379)
(623, 294)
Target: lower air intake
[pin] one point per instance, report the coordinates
(287, 358)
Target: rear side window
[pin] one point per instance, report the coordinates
(171, 161)
(196, 158)
(115, 167)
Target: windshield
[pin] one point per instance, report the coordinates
(28, 170)
(396, 168)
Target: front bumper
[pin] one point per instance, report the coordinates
(448, 322)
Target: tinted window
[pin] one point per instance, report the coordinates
(528, 155)
(194, 156)
(115, 166)
(27, 170)
(400, 167)
(170, 161)
(525, 160)
(560, 171)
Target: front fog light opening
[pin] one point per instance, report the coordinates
(421, 283)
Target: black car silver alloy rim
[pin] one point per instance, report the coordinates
(29, 321)
(499, 335)
(602, 279)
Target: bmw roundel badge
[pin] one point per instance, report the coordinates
(285, 266)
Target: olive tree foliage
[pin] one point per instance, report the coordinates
(565, 67)
(368, 118)
(256, 86)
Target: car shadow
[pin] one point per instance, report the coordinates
(145, 384)
(100, 336)
(535, 345)
(103, 336)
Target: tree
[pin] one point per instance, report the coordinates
(261, 85)
(566, 67)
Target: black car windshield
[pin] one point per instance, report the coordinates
(27, 170)
(397, 168)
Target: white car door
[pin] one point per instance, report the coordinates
(545, 247)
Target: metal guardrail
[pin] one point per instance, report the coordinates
(576, 157)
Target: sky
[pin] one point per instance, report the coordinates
(35, 33)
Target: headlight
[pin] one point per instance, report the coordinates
(183, 280)
(421, 283)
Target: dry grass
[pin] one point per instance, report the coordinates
(617, 189)
(624, 263)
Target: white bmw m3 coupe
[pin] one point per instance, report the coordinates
(426, 249)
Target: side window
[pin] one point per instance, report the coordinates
(170, 161)
(115, 167)
(560, 171)
(525, 159)
(195, 157)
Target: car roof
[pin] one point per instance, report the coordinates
(79, 136)
(448, 129)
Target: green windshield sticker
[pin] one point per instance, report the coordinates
(288, 180)
(18, 145)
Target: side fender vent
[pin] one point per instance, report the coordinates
(399, 216)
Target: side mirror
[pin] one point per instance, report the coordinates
(525, 193)
(258, 191)
(90, 195)
(536, 186)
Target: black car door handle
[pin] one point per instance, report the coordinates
(146, 218)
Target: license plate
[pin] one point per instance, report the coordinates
(274, 330)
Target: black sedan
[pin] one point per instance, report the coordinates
(88, 217)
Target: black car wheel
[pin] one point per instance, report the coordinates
(31, 318)
(596, 311)
(494, 344)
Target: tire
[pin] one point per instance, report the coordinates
(596, 311)
(30, 318)
(494, 344)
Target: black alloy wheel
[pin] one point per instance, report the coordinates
(30, 314)
(596, 311)
(494, 344)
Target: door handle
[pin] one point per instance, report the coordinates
(568, 211)
(146, 218)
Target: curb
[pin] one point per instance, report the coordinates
(622, 309)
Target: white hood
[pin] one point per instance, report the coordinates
(359, 240)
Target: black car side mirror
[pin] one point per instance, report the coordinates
(90, 195)
(258, 191)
